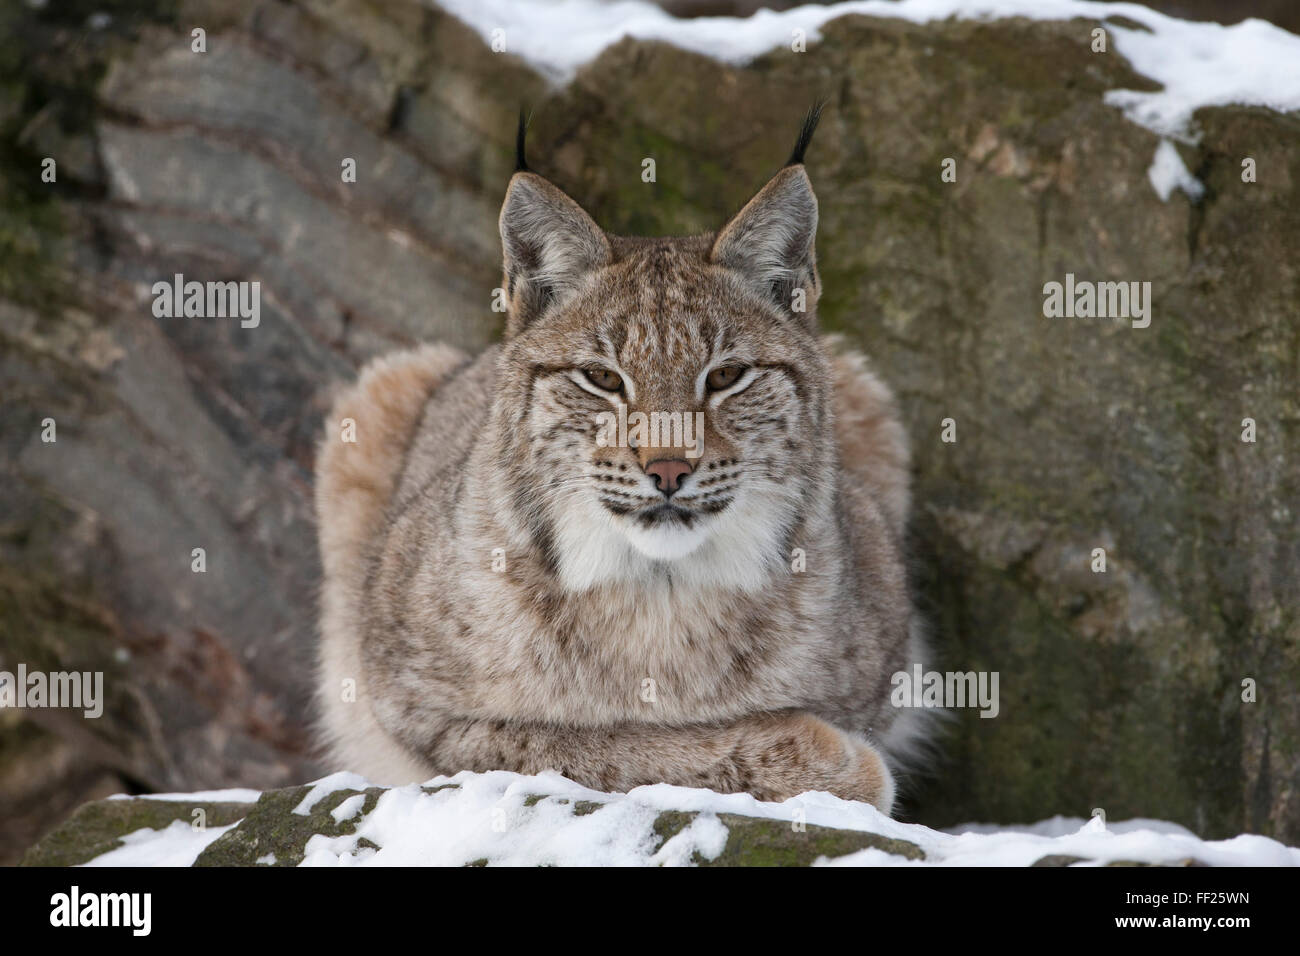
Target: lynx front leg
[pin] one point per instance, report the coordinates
(773, 756)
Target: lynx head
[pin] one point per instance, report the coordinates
(663, 404)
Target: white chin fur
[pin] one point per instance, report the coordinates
(666, 542)
(729, 551)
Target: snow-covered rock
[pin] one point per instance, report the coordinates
(502, 818)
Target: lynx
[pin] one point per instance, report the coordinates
(502, 591)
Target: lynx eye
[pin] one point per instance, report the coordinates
(603, 378)
(724, 376)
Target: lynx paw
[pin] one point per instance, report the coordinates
(800, 752)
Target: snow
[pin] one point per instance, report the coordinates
(1168, 173)
(349, 808)
(327, 785)
(1062, 826)
(177, 845)
(236, 795)
(509, 819)
(1198, 64)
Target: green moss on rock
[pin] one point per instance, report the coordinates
(271, 826)
(760, 841)
(98, 827)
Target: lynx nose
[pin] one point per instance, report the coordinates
(668, 473)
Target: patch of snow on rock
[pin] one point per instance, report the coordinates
(176, 845)
(1168, 172)
(1199, 64)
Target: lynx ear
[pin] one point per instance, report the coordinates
(549, 245)
(770, 243)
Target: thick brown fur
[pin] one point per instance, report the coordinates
(501, 592)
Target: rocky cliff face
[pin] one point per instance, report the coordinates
(1121, 690)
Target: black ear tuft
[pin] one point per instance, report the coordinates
(806, 133)
(521, 162)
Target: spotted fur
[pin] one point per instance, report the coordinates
(502, 593)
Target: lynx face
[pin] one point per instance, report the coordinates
(665, 398)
